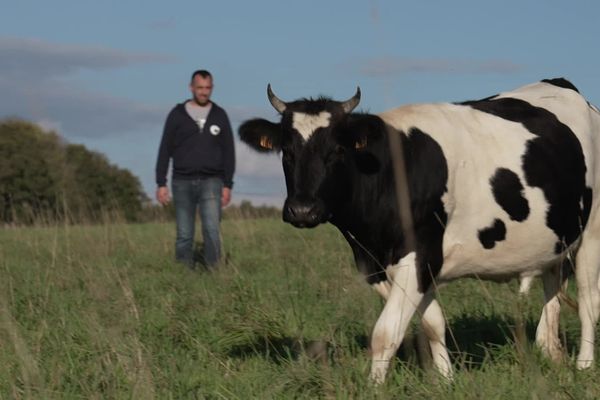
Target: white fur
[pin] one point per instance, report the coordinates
(394, 319)
(383, 288)
(307, 124)
(546, 335)
(434, 326)
(403, 300)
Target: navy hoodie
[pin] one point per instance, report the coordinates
(196, 153)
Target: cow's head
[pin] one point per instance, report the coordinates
(319, 146)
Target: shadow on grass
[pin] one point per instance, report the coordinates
(199, 259)
(471, 340)
(279, 349)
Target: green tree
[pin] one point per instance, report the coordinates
(30, 171)
(41, 175)
(95, 186)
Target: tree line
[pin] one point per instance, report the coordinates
(43, 177)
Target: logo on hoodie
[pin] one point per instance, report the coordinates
(215, 130)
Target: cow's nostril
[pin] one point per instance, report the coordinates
(291, 211)
(302, 213)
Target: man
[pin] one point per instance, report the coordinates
(198, 138)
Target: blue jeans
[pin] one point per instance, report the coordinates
(205, 195)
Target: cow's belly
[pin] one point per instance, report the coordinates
(483, 239)
(526, 248)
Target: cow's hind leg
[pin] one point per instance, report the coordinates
(546, 336)
(391, 326)
(434, 326)
(587, 268)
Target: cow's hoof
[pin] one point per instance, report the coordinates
(584, 364)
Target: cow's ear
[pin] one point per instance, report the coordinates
(261, 135)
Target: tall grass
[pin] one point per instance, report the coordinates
(102, 311)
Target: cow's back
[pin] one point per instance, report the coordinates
(521, 175)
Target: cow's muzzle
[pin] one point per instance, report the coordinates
(303, 214)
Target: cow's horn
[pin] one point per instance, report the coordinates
(276, 102)
(351, 103)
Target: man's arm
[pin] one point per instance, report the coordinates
(162, 163)
(225, 196)
(162, 195)
(228, 154)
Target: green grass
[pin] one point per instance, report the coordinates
(102, 312)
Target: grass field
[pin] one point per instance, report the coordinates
(102, 312)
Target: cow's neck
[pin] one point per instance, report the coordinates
(369, 216)
(365, 218)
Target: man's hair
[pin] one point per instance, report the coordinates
(203, 73)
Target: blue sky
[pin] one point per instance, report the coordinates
(106, 73)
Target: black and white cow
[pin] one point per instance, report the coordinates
(502, 187)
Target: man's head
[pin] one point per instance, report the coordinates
(201, 86)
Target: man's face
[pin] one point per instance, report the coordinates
(201, 89)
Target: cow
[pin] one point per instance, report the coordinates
(502, 187)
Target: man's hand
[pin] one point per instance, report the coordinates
(162, 195)
(225, 196)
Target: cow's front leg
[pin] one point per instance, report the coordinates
(394, 319)
(383, 288)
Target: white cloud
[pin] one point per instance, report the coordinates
(49, 125)
(38, 60)
(78, 112)
(249, 162)
(35, 85)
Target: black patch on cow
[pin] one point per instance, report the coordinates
(366, 263)
(367, 163)
(368, 215)
(586, 201)
(495, 233)
(508, 192)
(561, 82)
(553, 161)
(558, 248)
(427, 172)
(472, 101)
(312, 106)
